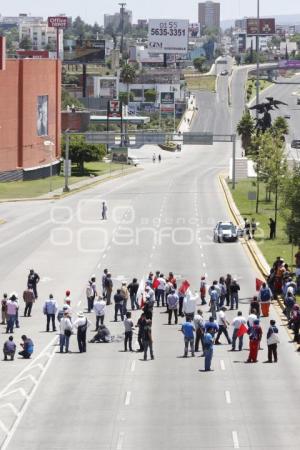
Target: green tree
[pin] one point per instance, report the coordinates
(81, 152)
(245, 128)
(68, 99)
(198, 63)
(291, 205)
(150, 95)
(280, 127)
(123, 97)
(128, 76)
(26, 43)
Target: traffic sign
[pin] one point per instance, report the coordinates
(198, 138)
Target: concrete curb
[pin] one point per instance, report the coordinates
(72, 191)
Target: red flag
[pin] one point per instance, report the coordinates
(142, 301)
(184, 286)
(258, 284)
(242, 330)
(155, 284)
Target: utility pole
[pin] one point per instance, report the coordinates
(257, 57)
(122, 26)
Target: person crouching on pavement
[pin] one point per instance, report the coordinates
(27, 346)
(9, 348)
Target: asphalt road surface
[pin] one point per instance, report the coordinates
(161, 218)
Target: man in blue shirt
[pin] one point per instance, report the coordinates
(208, 345)
(27, 346)
(211, 325)
(188, 331)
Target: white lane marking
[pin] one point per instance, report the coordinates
(99, 265)
(222, 364)
(120, 441)
(127, 398)
(11, 406)
(203, 264)
(79, 303)
(24, 233)
(202, 255)
(3, 427)
(235, 440)
(206, 275)
(200, 246)
(104, 256)
(109, 247)
(132, 366)
(228, 397)
(14, 391)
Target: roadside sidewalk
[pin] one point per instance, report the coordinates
(187, 118)
(77, 187)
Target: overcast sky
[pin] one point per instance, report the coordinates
(93, 10)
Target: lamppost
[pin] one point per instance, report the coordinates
(257, 56)
(122, 26)
(49, 146)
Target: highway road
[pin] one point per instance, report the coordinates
(107, 399)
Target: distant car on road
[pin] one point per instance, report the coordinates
(295, 143)
(226, 231)
(298, 101)
(224, 72)
(132, 161)
(287, 116)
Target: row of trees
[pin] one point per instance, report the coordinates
(268, 152)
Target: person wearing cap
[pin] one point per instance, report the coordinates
(9, 348)
(33, 280)
(255, 335)
(223, 326)
(29, 298)
(99, 310)
(82, 324)
(272, 341)
(12, 311)
(234, 294)
(172, 303)
(65, 332)
(4, 309)
(50, 309)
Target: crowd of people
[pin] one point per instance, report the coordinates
(159, 291)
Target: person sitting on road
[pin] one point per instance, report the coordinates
(102, 335)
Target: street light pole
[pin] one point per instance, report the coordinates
(122, 26)
(50, 144)
(257, 57)
(66, 188)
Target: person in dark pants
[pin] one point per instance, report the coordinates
(172, 303)
(28, 297)
(133, 288)
(119, 299)
(272, 341)
(27, 346)
(128, 324)
(141, 324)
(272, 226)
(147, 339)
(223, 326)
(82, 324)
(33, 279)
(50, 309)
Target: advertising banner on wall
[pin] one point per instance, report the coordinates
(42, 115)
(194, 30)
(168, 36)
(86, 51)
(119, 154)
(289, 64)
(265, 27)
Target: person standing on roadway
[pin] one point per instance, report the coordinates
(208, 341)
(104, 211)
(125, 295)
(147, 339)
(199, 323)
(82, 324)
(213, 303)
(33, 280)
(65, 332)
(188, 330)
(28, 297)
(172, 303)
(272, 341)
(99, 310)
(50, 309)
(133, 288)
(118, 299)
(236, 323)
(161, 289)
(4, 309)
(12, 311)
(189, 305)
(234, 294)
(128, 324)
(109, 288)
(223, 326)
(255, 335)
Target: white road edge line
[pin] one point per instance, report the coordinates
(228, 397)
(132, 366)
(127, 399)
(235, 440)
(222, 364)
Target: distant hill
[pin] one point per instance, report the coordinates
(282, 20)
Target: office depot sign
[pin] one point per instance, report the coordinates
(58, 22)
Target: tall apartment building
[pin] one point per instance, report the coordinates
(40, 35)
(209, 15)
(114, 20)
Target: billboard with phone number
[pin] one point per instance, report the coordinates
(168, 36)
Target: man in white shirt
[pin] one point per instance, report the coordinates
(199, 323)
(251, 319)
(236, 323)
(189, 305)
(160, 291)
(223, 326)
(99, 310)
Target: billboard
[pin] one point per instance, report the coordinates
(42, 115)
(168, 36)
(86, 51)
(114, 108)
(119, 154)
(266, 27)
(167, 103)
(194, 30)
(58, 22)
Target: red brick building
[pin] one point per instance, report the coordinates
(30, 114)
